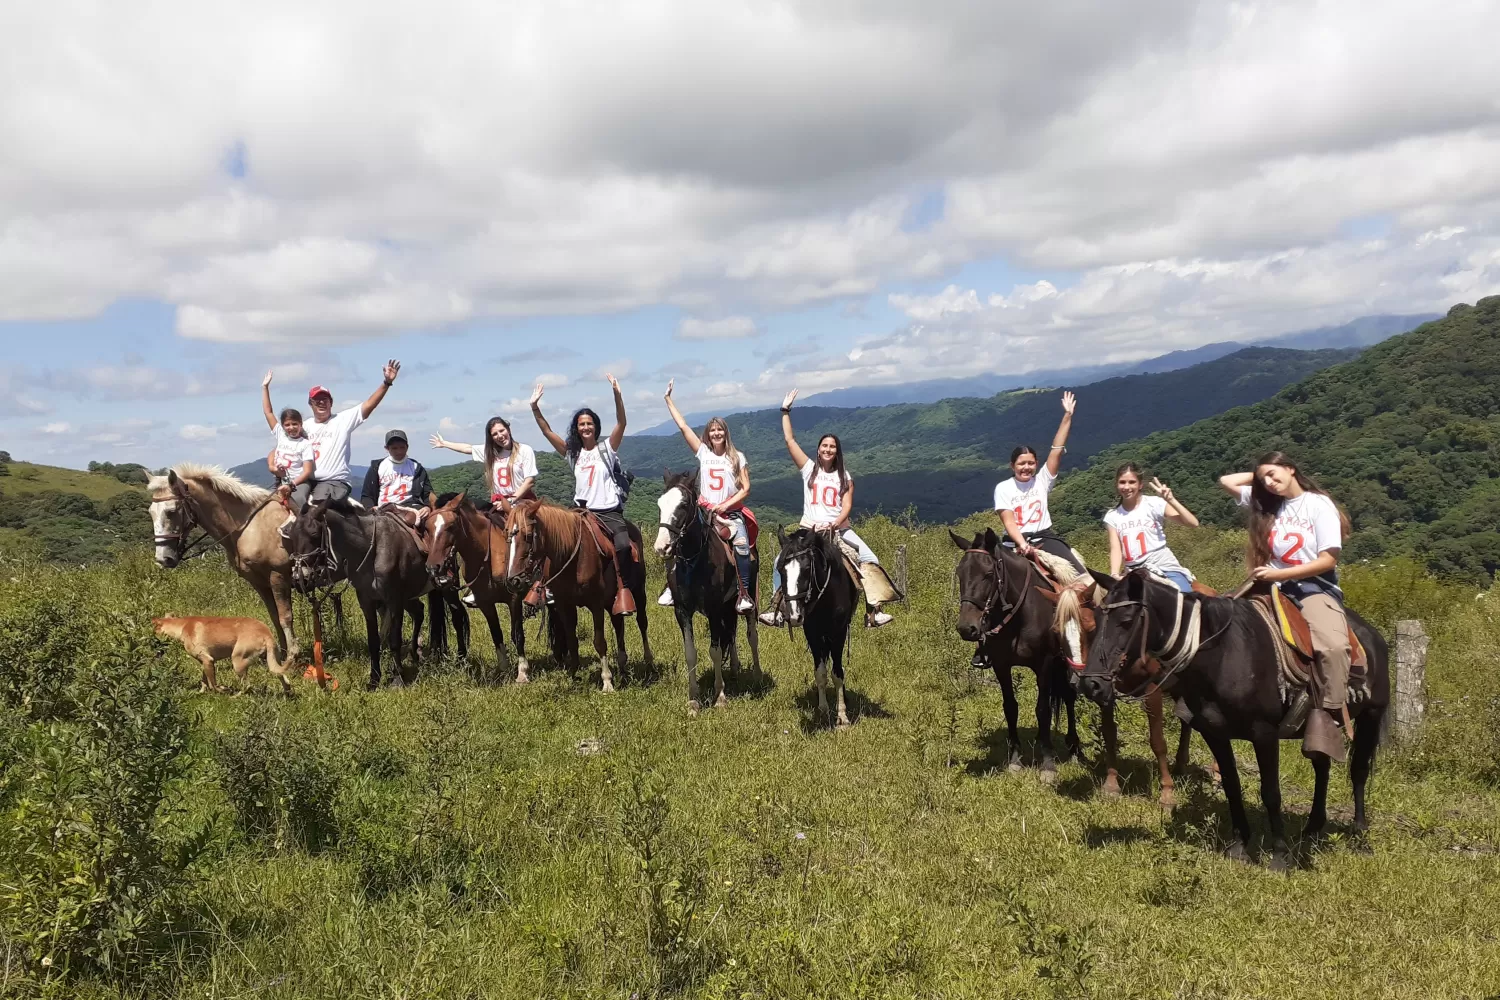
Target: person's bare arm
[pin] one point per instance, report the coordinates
(558, 444)
(1115, 558)
(438, 441)
(1060, 439)
(846, 508)
(1176, 510)
(1013, 531)
(693, 441)
(618, 434)
(1325, 563)
(308, 468)
(1236, 481)
(387, 378)
(798, 455)
(738, 497)
(525, 486)
(265, 401)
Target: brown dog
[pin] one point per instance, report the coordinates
(238, 640)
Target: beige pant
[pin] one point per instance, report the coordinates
(1331, 653)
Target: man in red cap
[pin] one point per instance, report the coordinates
(330, 434)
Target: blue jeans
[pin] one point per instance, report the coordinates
(1180, 579)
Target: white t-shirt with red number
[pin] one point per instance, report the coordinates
(1305, 528)
(331, 444)
(1027, 501)
(396, 479)
(823, 501)
(1143, 535)
(592, 482)
(716, 480)
(293, 453)
(505, 475)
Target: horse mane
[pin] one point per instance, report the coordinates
(215, 478)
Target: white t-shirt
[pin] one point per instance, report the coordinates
(592, 482)
(1304, 529)
(716, 482)
(504, 476)
(823, 501)
(293, 453)
(1027, 501)
(331, 444)
(396, 479)
(1143, 536)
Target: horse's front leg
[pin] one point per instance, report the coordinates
(1110, 731)
(690, 658)
(752, 638)
(1012, 715)
(838, 683)
(1044, 725)
(497, 636)
(372, 642)
(518, 636)
(1268, 761)
(276, 594)
(820, 681)
(606, 678)
(1157, 730)
(1223, 752)
(413, 608)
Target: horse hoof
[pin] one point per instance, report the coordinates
(1110, 790)
(1048, 775)
(1014, 767)
(693, 707)
(1167, 801)
(1236, 852)
(842, 724)
(522, 679)
(608, 689)
(1278, 862)
(722, 702)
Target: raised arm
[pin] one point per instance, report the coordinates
(1236, 481)
(265, 401)
(693, 441)
(798, 455)
(387, 377)
(438, 441)
(618, 434)
(1176, 511)
(1060, 439)
(558, 444)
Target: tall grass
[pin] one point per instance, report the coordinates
(463, 840)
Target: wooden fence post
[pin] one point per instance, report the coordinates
(901, 574)
(1409, 699)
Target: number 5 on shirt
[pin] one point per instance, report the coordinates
(716, 479)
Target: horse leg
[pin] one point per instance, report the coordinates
(1268, 762)
(820, 681)
(1317, 816)
(838, 683)
(278, 602)
(618, 623)
(1012, 716)
(372, 643)
(437, 625)
(497, 636)
(1366, 737)
(1157, 728)
(716, 654)
(647, 657)
(460, 616)
(1044, 725)
(338, 615)
(752, 638)
(413, 608)
(606, 678)
(393, 619)
(690, 658)
(1111, 789)
(1223, 752)
(518, 636)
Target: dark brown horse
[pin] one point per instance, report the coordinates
(467, 547)
(558, 547)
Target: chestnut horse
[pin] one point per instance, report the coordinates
(556, 546)
(466, 547)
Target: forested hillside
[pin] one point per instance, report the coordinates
(1406, 437)
(69, 516)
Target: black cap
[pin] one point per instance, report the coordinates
(394, 435)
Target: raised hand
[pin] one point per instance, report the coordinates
(668, 393)
(391, 370)
(786, 403)
(614, 383)
(536, 394)
(1069, 402)
(1161, 488)
(265, 382)
(437, 441)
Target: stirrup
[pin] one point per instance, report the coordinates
(1296, 715)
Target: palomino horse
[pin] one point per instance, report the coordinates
(244, 520)
(1219, 658)
(466, 548)
(819, 594)
(557, 546)
(704, 579)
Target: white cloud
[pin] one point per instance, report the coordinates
(551, 380)
(204, 432)
(723, 390)
(56, 427)
(448, 425)
(728, 328)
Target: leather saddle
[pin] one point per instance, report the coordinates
(410, 518)
(1297, 634)
(605, 542)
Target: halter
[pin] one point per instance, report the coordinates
(535, 557)
(450, 561)
(186, 546)
(1177, 652)
(998, 576)
(697, 516)
(815, 594)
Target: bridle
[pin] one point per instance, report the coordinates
(450, 563)
(998, 576)
(814, 594)
(1181, 645)
(186, 545)
(535, 557)
(695, 515)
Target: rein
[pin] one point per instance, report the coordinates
(1187, 640)
(998, 576)
(187, 546)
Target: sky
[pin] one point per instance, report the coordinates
(743, 196)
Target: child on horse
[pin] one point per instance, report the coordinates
(510, 466)
(1137, 534)
(291, 460)
(397, 479)
(599, 482)
(1022, 499)
(330, 434)
(827, 500)
(723, 485)
(1296, 533)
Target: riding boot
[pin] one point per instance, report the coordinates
(1323, 736)
(624, 602)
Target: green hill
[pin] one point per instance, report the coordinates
(1406, 438)
(69, 516)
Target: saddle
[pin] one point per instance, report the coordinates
(1295, 632)
(410, 518)
(870, 578)
(605, 542)
(1294, 655)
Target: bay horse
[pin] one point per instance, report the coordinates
(243, 520)
(467, 548)
(1222, 666)
(557, 546)
(819, 594)
(377, 552)
(704, 580)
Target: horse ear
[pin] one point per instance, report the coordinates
(172, 479)
(666, 477)
(1103, 579)
(320, 508)
(781, 533)
(990, 539)
(959, 542)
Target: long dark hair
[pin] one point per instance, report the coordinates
(575, 443)
(1265, 505)
(838, 463)
(290, 412)
(491, 451)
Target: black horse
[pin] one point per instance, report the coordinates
(1218, 658)
(1003, 611)
(704, 579)
(377, 553)
(819, 595)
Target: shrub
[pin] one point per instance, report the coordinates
(280, 781)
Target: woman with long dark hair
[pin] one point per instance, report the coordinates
(598, 479)
(509, 465)
(1137, 528)
(1022, 499)
(1296, 533)
(827, 500)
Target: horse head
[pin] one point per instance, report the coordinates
(981, 582)
(171, 517)
(307, 542)
(678, 505)
(523, 545)
(806, 561)
(1118, 657)
(443, 524)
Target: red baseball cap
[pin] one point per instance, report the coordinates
(317, 391)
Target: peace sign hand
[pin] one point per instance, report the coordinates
(1161, 488)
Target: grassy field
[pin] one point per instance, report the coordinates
(25, 477)
(468, 839)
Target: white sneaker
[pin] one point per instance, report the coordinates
(468, 599)
(665, 600)
(877, 619)
(743, 605)
(772, 619)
